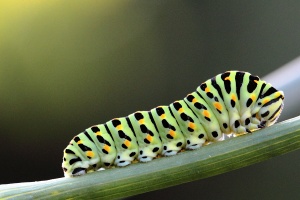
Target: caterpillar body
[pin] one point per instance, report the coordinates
(230, 104)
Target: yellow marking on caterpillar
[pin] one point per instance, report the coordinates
(172, 133)
(119, 127)
(218, 105)
(90, 154)
(233, 97)
(180, 110)
(127, 143)
(277, 94)
(265, 101)
(253, 97)
(141, 121)
(163, 116)
(79, 142)
(98, 133)
(194, 100)
(206, 113)
(207, 89)
(256, 81)
(106, 147)
(192, 125)
(227, 78)
(149, 137)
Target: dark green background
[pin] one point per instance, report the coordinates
(65, 66)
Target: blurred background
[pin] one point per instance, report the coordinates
(65, 66)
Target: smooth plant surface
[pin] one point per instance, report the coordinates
(187, 166)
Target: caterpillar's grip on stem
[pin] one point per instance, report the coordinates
(230, 104)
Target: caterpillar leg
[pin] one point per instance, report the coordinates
(194, 142)
(194, 146)
(122, 163)
(171, 150)
(123, 159)
(145, 158)
(253, 123)
(101, 169)
(148, 153)
(171, 135)
(79, 171)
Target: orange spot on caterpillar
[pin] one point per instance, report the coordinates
(106, 147)
(207, 89)
(98, 133)
(163, 116)
(79, 142)
(141, 121)
(149, 137)
(172, 133)
(119, 127)
(194, 100)
(180, 110)
(265, 101)
(253, 97)
(227, 78)
(233, 97)
(206, 113)
(218, 105)
(192, 125)
(256, 81)
(90, 154)
(127, 143)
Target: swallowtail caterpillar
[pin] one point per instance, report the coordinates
(230, 104)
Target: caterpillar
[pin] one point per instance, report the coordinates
(230, 104)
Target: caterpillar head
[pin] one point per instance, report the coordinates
(271, 107)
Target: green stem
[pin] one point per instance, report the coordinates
(187, 166)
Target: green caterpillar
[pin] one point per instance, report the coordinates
(230, 104)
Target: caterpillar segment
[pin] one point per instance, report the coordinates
(105, 145)
(190, 125)
(205, 115)
(214, 100)
(171, 135)
(150, 144)
(230, 104)
(125, 140)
